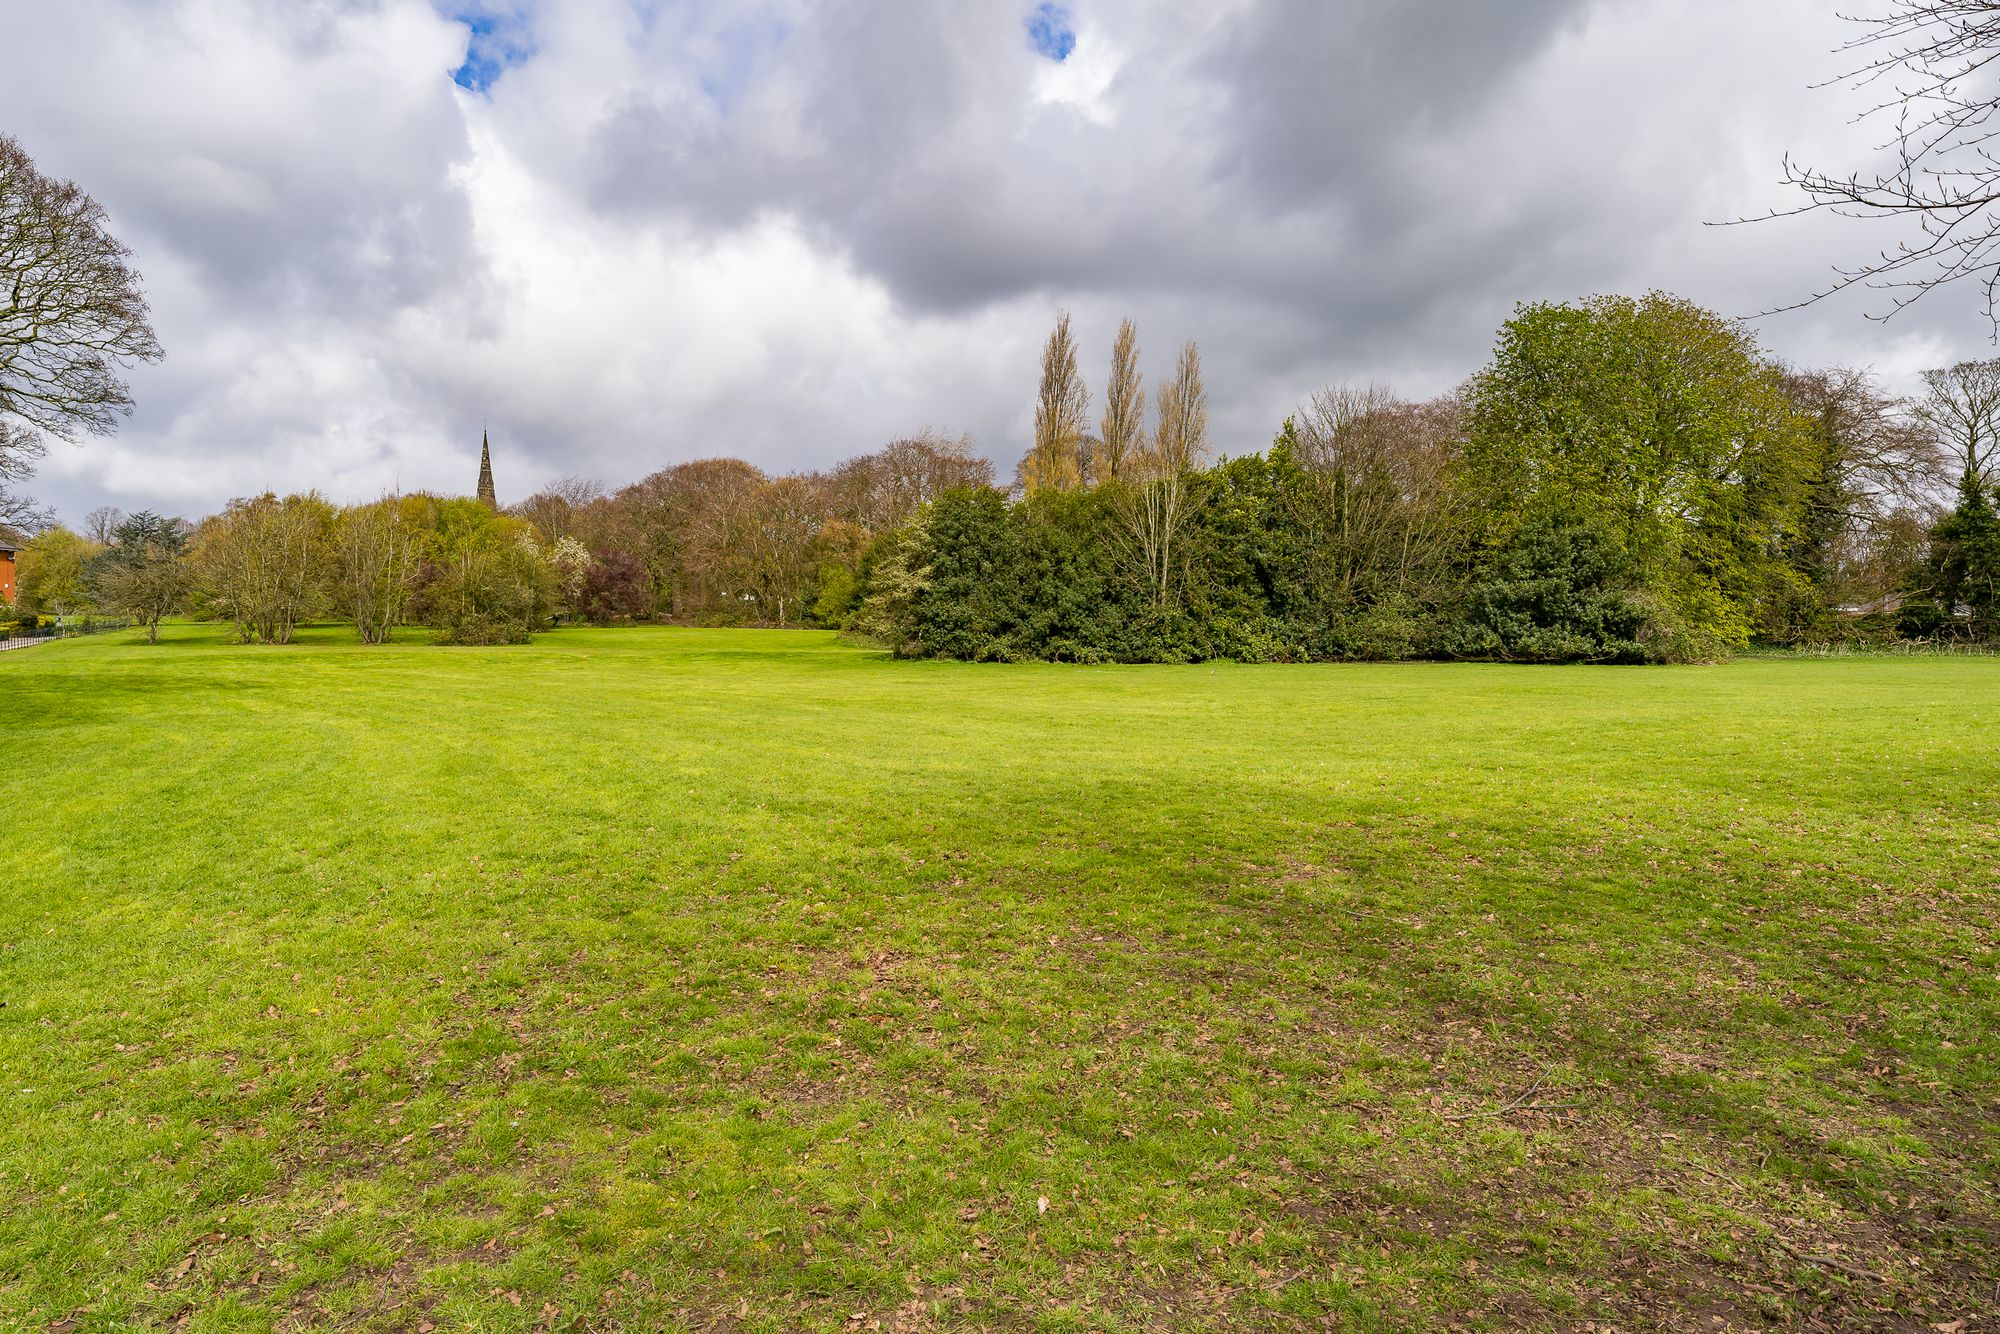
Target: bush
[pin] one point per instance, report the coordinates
(968, 605)
(1560, 592)
(482, 580)
(1395, 629)
(473, 630)
(614, 587)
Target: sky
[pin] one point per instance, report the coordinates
(621, 234)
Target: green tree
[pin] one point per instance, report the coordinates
(837, 553)
(1965, 561)
(895, 573)
(970, 598)
(145, 573)
(482, 578)
(1661, 422)
(1561, 591)
(54, 569)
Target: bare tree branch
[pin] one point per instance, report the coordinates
(1935, 62)
(72, 317)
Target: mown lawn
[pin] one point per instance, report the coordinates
(659, 979)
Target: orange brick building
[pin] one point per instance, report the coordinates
(6, 571)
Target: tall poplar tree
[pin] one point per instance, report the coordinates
(1124, 427)
(1060, 407)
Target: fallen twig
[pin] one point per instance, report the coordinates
(1719, 1176)
(1267, 1286)
(1520, 1104)
(1834, 1263)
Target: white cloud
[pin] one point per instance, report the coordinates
(1083, 81)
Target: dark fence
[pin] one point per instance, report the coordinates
(93, 626)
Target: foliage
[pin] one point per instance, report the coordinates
(52, 572)
(873, 493)
(570, 565)
(481, 578)
(1965, 566)
(377, 546)
(969, 602)
(145, 574)
(1618, 458)
(837, 551)
(1628, 480)
(1661, 422)
(614, 588)
(1561, 591)
(895, 574)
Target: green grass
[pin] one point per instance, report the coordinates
(653, 978)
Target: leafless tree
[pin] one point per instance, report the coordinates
(72, 318)
(1124, 425)
(557, 509)
(778, 552)
(101, 524)
(1883, 471)
(688, 525)
(1878, 452)
(1061, 405)
(20, 450)
(875, 492)
(376, 546)
(264, 563)
(1382, 469)
(1932, 63)
(1158, 506)
(1961, 406)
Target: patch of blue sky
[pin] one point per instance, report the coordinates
(1051, 31)
(499, 36)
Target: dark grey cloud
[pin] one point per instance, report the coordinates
(1327, 103)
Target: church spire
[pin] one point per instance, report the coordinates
(486, 473)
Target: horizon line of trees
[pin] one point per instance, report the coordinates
(1628, 479)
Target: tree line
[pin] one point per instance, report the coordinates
(715, 541)
(1627, 480)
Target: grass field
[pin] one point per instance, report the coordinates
(653, 978)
